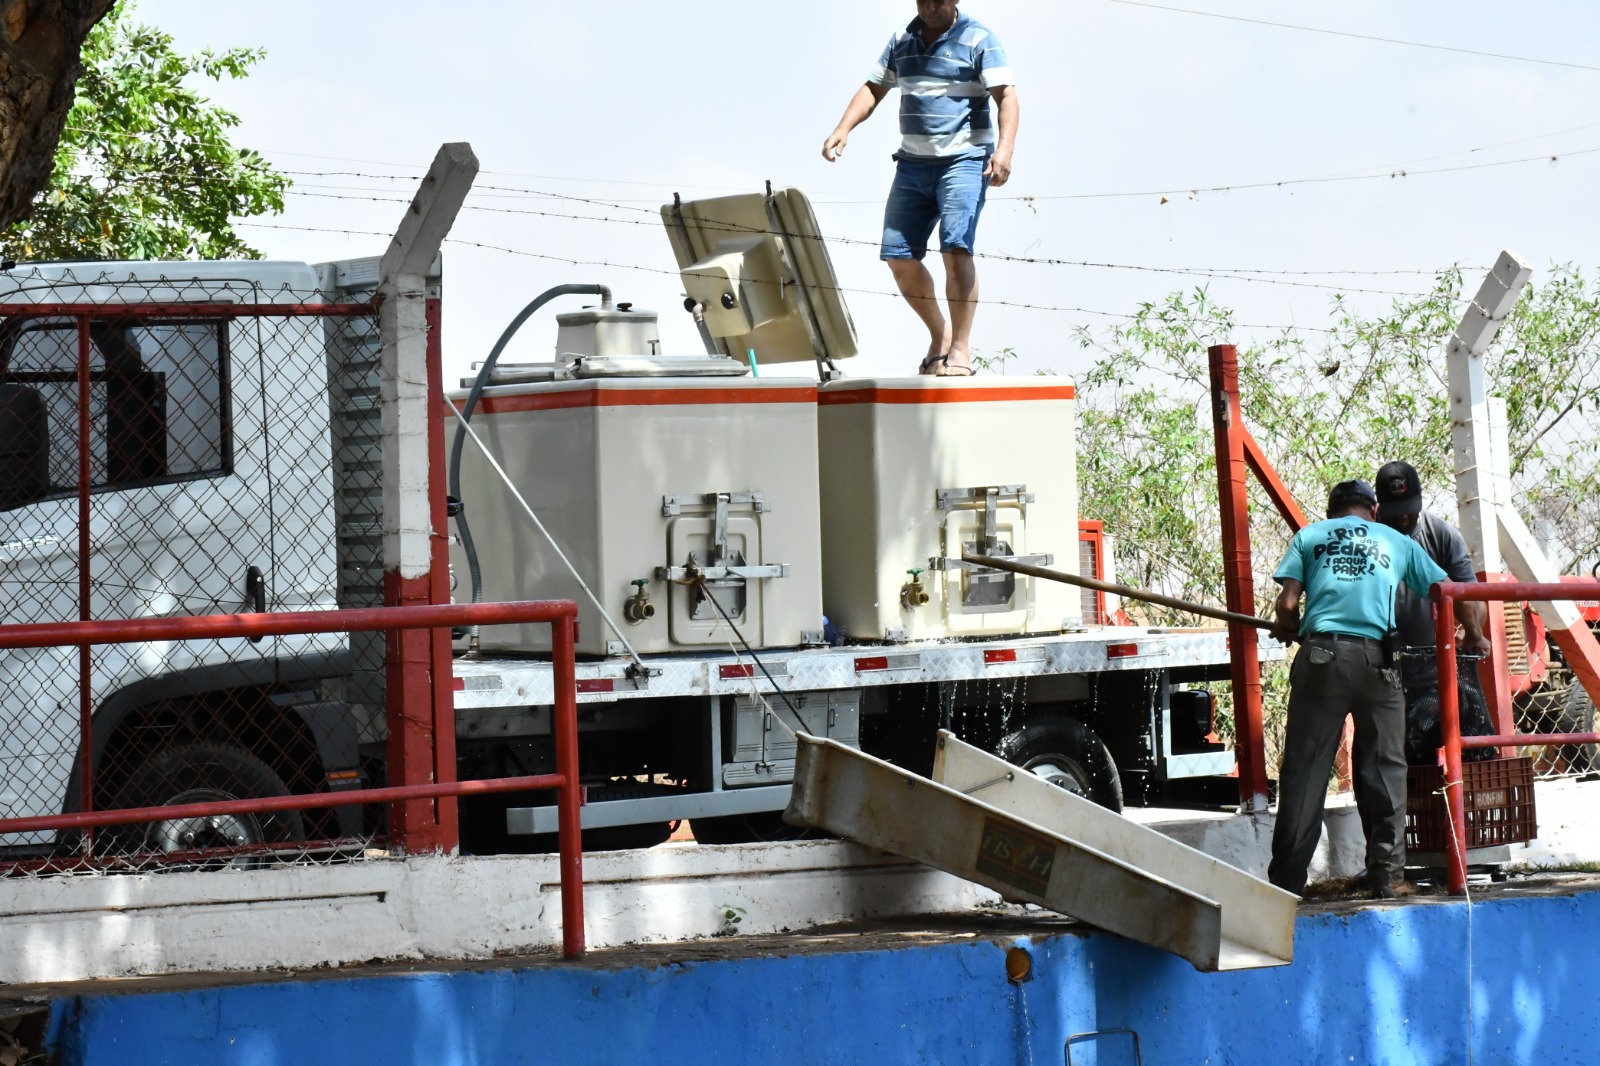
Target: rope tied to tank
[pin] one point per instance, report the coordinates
(695, 578)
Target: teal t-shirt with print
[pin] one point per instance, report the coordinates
(1350, 568)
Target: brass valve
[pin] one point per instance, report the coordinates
(637, 609)
(913, 593)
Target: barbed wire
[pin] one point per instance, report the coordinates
(1249, 275)
(513, 191)
(859, 242)
(506, 250)
(1390, 175)
(1384, 170)
(1358, 36)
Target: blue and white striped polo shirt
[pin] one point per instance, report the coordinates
(944, 89)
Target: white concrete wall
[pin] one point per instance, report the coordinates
(76, 928)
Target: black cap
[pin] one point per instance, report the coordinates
(1346, 493)
(1399, 490)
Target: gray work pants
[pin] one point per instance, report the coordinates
(1330, 679)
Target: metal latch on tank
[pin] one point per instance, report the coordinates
(984, 585)
(719, 571)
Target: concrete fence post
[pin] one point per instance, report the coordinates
(413, 498)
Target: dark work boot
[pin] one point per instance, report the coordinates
(1377, 885)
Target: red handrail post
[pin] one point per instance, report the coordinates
(1243, 641)
(1450, 735)
(569, 798)
(447, 830)
(85, 580)
(1495, 671)
(408, 684)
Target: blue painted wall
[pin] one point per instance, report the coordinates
(1376, 986)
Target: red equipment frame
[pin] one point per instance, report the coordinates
(1445, 594)
(560, 614)
(1238, 456)
(1094, 533)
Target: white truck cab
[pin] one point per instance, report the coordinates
(205, 444)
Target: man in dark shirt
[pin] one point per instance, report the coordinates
(1400, 507)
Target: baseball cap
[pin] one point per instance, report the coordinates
(1347, 492)
(1399, 490)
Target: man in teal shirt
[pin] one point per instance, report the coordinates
(1348, 567)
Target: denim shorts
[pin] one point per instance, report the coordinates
(928, 191)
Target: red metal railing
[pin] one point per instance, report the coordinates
(1238, 456)
(1446, 594)
(560, 614)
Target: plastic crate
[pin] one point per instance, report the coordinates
(1499, 804)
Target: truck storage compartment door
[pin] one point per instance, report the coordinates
(764, 730)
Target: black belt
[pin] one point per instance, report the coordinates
(1371, 642)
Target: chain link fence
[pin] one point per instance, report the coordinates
(187, 446)
(1546, 696)
(1558, 704)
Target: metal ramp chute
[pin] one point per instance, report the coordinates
(1034, 842)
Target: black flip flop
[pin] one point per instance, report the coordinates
(925, 368)
(954, 371)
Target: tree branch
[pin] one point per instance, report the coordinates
(40, 42)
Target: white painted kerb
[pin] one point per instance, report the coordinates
(83, 927)
(77, 928)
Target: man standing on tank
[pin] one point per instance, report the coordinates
(947, 66)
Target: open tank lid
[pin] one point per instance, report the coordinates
(758, 266)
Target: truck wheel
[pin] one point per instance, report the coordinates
(1067, 753)
(1577, 716)
(205, 772)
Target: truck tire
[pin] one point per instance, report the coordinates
(1066, 753)
(201, 772)
(1577, 716)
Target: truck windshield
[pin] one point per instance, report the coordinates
(157, 405)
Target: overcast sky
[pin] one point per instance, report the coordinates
(625, 101)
